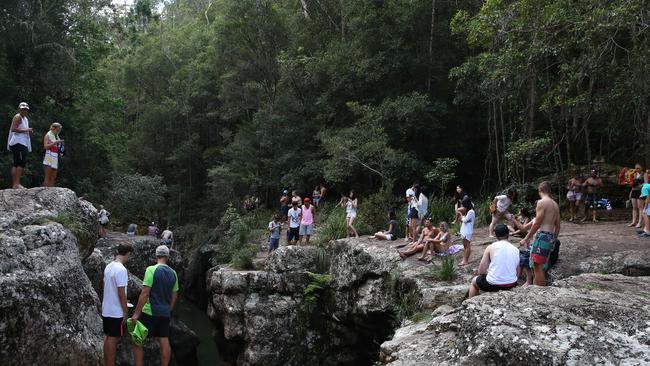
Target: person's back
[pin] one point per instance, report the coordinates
(167, 234)
(504, 260)
(163, 282)
(132, 229)
(551, 214)
(153, 230)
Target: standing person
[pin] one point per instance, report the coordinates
(350, 204)
(501, 203)
(591, 198)
(157, 299)
(167, 237)
(114, 304)
(323, 192)
(389, 234)
(645, 199)
(545, 230)
(635, 194)
(19, 143)
(152, 230)
(467, 218)
(499, 266)
(275, 227)
(573, 195)
(315, 195)
(51, 144)
(423, 204)
(414, 213)
(294, 216)
(103, 220)
(459, 195)
(408, 237)
(295, 197)
(307, 221)
(284, 204)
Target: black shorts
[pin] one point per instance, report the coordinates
(294, 233)
(158, 326)
(113, 327)
(484, 285)
(414, 214)
(635, 194)
(591, 201)
(20, 155)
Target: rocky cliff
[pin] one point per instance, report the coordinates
(49, 312)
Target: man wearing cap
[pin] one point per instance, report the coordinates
(157, 299)
(499, 266)
(19, 143)
(307, 221)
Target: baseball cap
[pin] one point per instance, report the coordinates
(23, 105)
(285, 192)
(306, 200)
(501, 231)
(162, 251)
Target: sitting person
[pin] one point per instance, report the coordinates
(523, 218)
(428, 232)
(132, 229)
(524, 254)
(439, 244)
(499, 268)
(392, 229)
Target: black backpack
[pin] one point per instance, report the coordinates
(552, 259)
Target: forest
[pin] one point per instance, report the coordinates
(176, 109)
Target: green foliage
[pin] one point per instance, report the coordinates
(318, 283)
(526, 155)
(373, 211)
(447, 272)
(134, 197)
(442, 173)
(421, 317)
(333, 227)
(441, 209)
(74, 224)
(482, 210)
(242, 257)
(233, 243)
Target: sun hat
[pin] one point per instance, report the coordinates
(162, 251)
(23, 105)
(137, 331)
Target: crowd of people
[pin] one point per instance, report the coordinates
(639, 197)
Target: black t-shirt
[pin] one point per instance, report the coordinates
(393, 227)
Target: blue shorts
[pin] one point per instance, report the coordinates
(274, 243)
(647, 210)
(524, 258)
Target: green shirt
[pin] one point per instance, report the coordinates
(163, 282)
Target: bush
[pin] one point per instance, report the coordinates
(333, 227)
(242, 258)
(233, 243)
(317, 284)
(373, 211)
(441, 209)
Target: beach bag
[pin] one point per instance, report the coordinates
(555, 254)
(493, 207)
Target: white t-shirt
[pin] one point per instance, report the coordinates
(115, 275)
(423, 205)
(467, 226)
(503, 264)
(294, 217)
(503, 202)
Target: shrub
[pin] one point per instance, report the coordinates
(447, 272)
(440, 209)
(317, 284)
(333, 227)
(373, 211)
(242, 258)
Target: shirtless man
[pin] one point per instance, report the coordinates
(429, 232)
(591, 198)
(545, 230)
(167, 237)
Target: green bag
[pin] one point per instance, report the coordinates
(138, 331)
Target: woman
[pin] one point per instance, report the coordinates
(573, 195)
(635, 194)
(103, 220)
(518, 225)
(591, 198)
(350, 204)
(392, 229)
(468, 216)
(501, 203)
(19, 143)
(414, 212)
(457, 198)
(51, 144)
(439, 244)
(315, 195)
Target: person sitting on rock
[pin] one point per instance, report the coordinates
(439, 244)
(392, 229)
(499, 266)
(519, 225)
(524, 252)
(429, 232)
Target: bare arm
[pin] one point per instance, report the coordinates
(121, 293)
(174, 298)
(485, 262)
(15, 123)
(142, 300)
(539, 218)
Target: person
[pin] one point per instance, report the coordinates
(423, 204)
(645, 198)
(167, 237)
(459, 195)
(51, 144)
(573, 195)
(350, 204)
(524, 252)
(467, 218)
(103, 216)
(315, 195)
(114, 304)
(157, 299)
(429, 232)
(294, 217)
(518, 224)
(591, 198)
(323, 192)
(249, 205)
(307, 221)
(501, 204)
(414, 213)
(295, 197)
(132, 229)
(19, 143)
(275, 227)
(284, 204)
(499, 267)
(388, 234)
(635, 194)
(152, 230)
(439, 244)
(545, 230)
(410, 193)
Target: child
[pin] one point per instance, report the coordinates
(275, 226)
(468, 216)
(392, 228)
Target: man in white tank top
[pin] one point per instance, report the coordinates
(499, 268)
(19, 143)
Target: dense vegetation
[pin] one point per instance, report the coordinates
(205, 101)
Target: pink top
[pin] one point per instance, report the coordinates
(307, 215)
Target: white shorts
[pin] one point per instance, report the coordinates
(51, 159)
(573, 196)
(389, 237)
(352, 215)
(306, 229)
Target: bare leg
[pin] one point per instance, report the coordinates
(473, 289)
(165, 351)
(467, 250)
(16, 173)
(635, 211)
(351, 227)
(425, 248)
(110, 349)
(529, 276)
(493, 223)
(53, 174)
(307, 239)
(540, 275)
(138, 355)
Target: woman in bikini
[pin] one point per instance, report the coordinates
(439, 244)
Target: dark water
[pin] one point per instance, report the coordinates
(199, 322)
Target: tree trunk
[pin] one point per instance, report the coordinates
(305, 8)
(433, 22)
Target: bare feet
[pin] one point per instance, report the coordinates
(584, 219)
(638, 226)
(19, 186)
(631, 225)
(401, 255)
(462, 263)
(421, 258)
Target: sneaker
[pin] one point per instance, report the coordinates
(644, 235)
(640, 231)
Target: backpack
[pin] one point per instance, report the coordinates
(552, 259)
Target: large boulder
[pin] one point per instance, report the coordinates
(582, 321)
(49, 312)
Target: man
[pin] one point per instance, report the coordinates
(157, 299)
(114, 305)
(168, 237)
(429, 233)
(295, 197)
(295, 217)
(152, 230)
(545, 230)
(499, 266)
(19, 143)
(307, 220)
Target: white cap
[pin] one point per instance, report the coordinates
(162, 251)
(23, 105)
